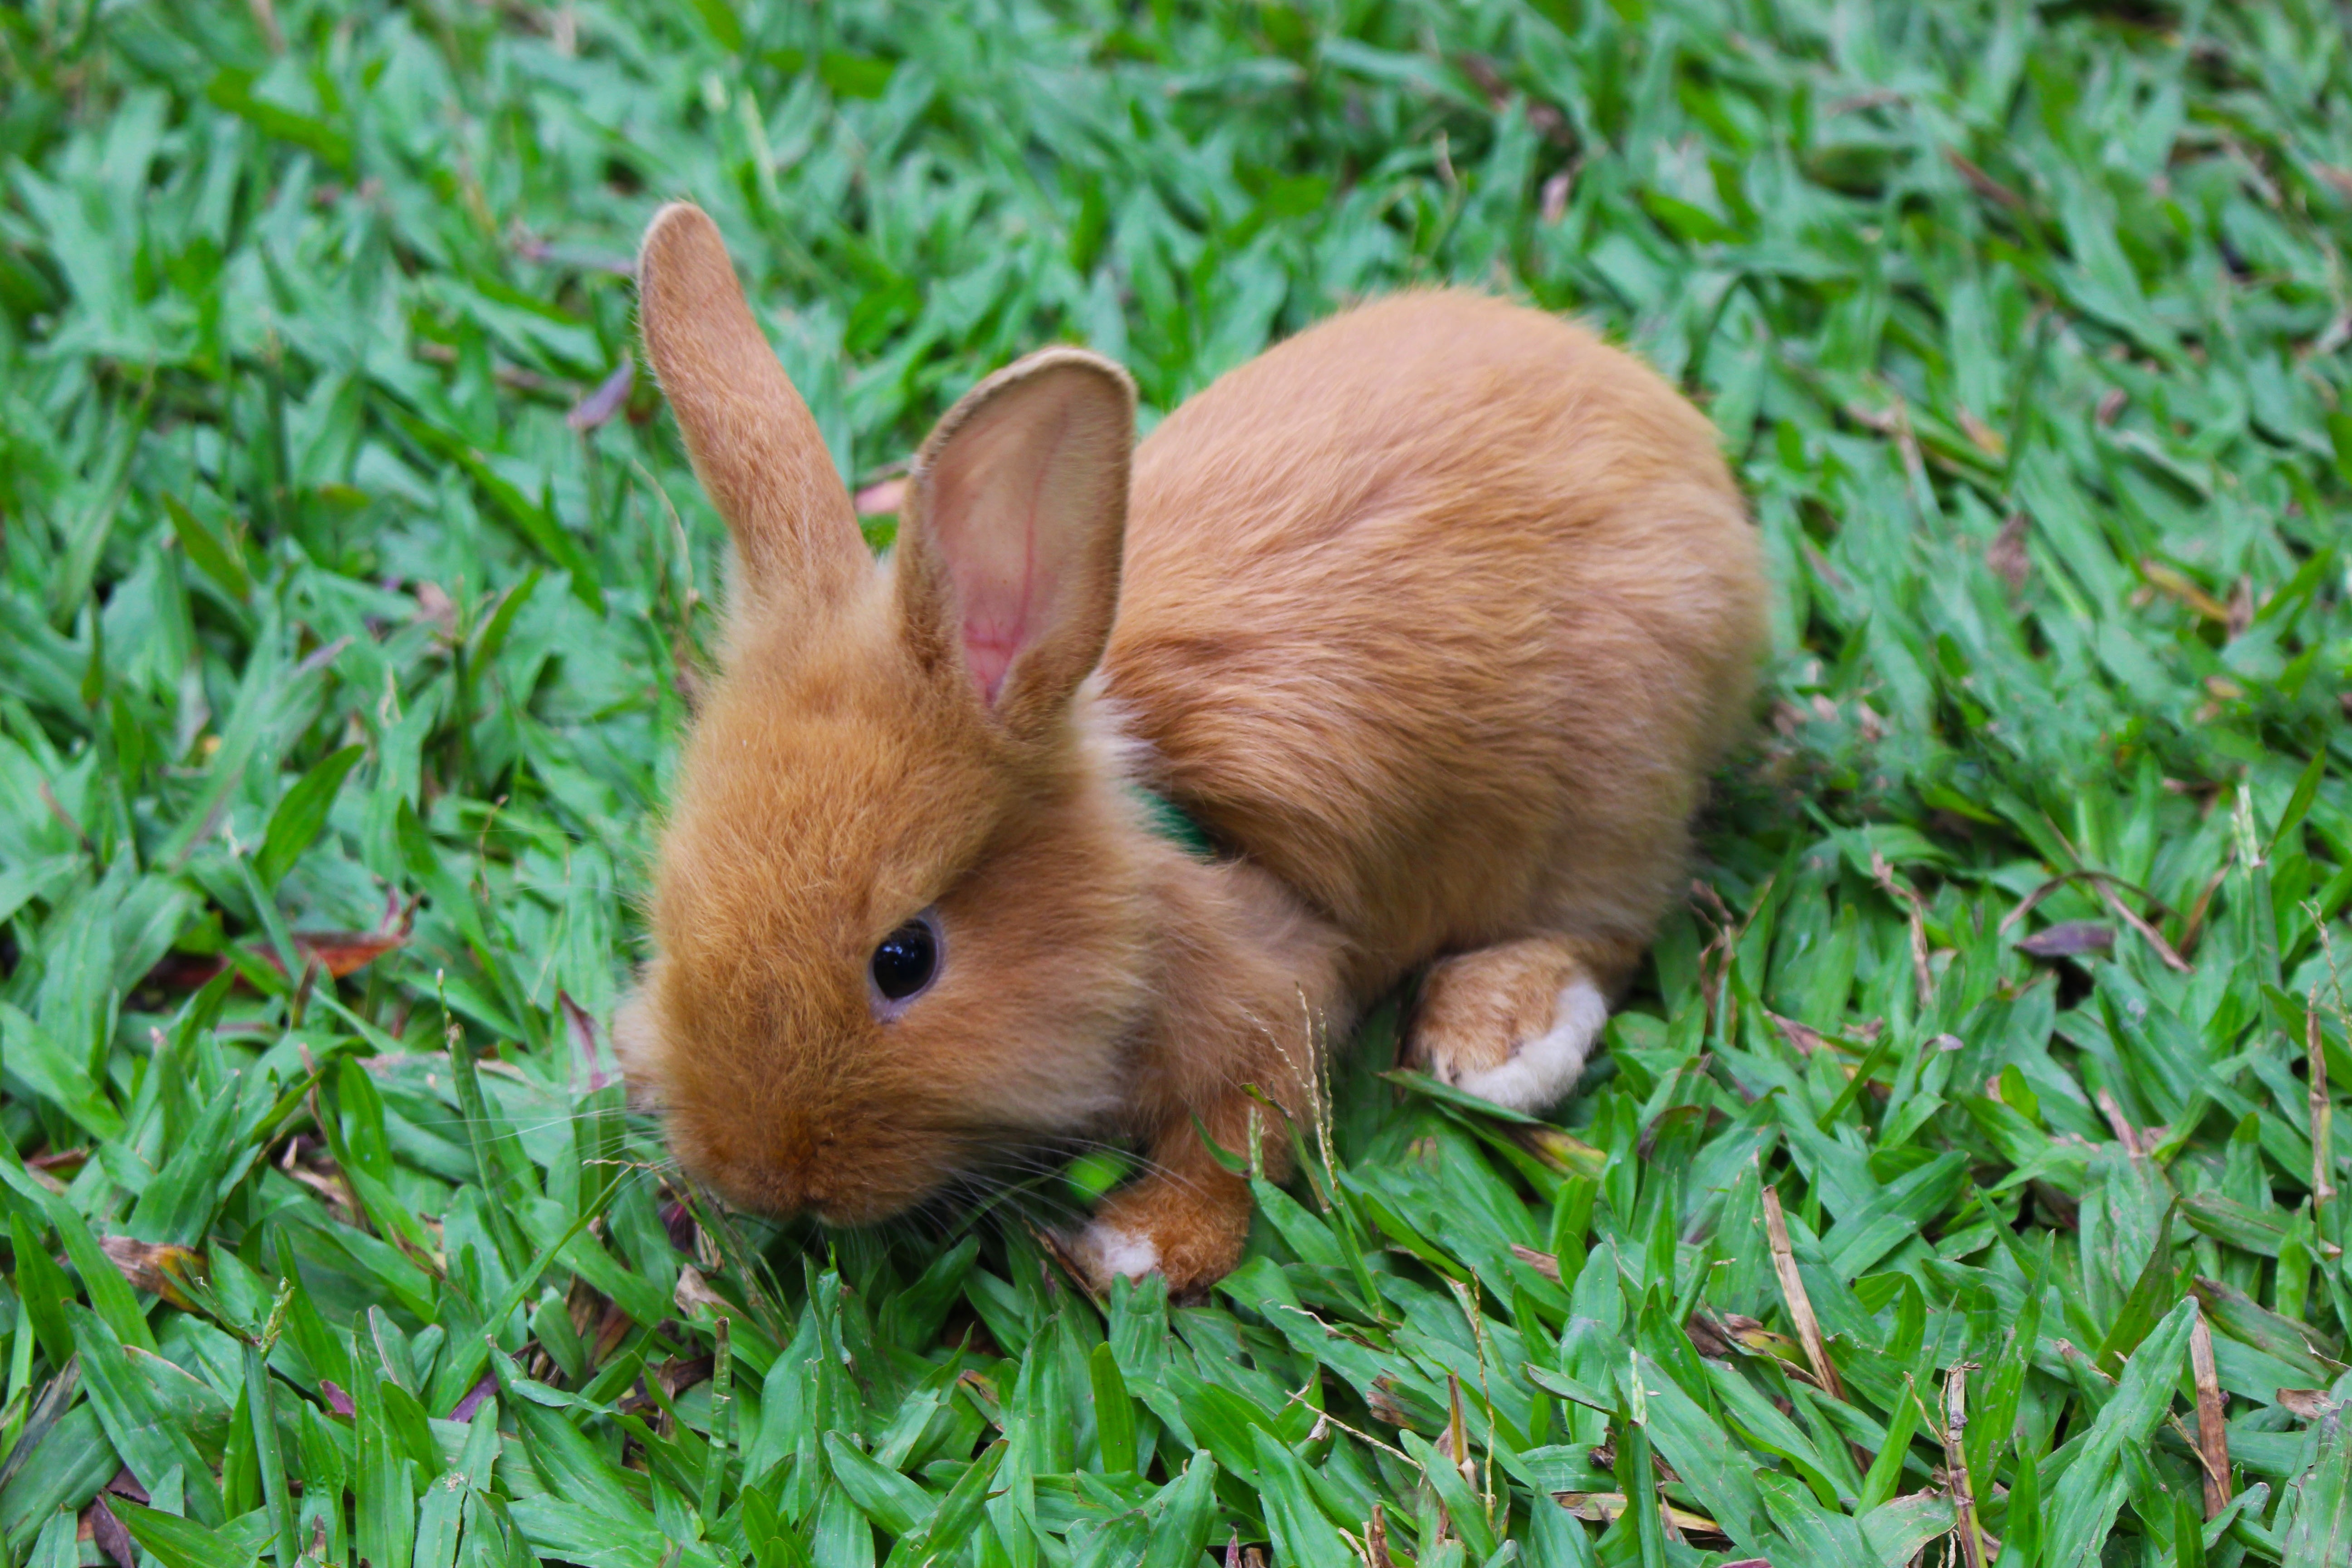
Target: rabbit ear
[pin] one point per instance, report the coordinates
(1016, 512)
(754, 446)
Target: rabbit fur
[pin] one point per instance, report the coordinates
(1434, 618)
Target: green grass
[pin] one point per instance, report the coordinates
(2026, 327)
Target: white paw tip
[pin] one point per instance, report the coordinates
(1117, 1252)
(1546, 1067)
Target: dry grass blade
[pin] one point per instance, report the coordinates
(2213, 1428)
(1916, 913)
(2323, 1115)
(2125, 1133)
(1983, 184)
(2303, 1404)
(2153, 937)
(1792, 1294)
(1063, 1259)
(1966, 1532)
(2026, 905)
(1562, 1151)
(2069, 939)
(1608, 1508)
(2179, 586)
(1376, 1538)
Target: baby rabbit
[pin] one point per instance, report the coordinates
(1431, 618)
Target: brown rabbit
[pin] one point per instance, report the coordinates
(1433, 618)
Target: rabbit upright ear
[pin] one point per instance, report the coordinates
(1016, 512)
(754, 446)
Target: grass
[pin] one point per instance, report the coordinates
(345, 631)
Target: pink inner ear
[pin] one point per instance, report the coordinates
(989, 649)
(995, 495)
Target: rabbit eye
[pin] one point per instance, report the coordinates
(905, 963)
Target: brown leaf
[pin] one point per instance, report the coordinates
(158, 1268)
(1543, 1263)
(2069, 939)
(106, 1532)
(1803, 1037)
(682, 1373)
(693, 1292)
(341, 952)
(1382, 1403)
(2304, 1403)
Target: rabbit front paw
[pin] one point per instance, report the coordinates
(1190, 1232)
(1513, 1024)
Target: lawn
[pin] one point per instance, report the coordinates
(1961, 1180)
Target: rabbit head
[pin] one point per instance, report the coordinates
(899, 914)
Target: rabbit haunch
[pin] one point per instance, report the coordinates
(1435, 617)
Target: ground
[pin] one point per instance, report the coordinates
(1964, 1160)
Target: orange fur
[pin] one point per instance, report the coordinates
(1436, 615)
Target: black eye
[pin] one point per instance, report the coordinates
(905, 961)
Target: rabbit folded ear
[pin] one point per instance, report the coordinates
(754, 446)
(1016, 512)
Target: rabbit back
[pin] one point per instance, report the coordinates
(1441, 611)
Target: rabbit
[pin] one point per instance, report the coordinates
(1433, 618)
